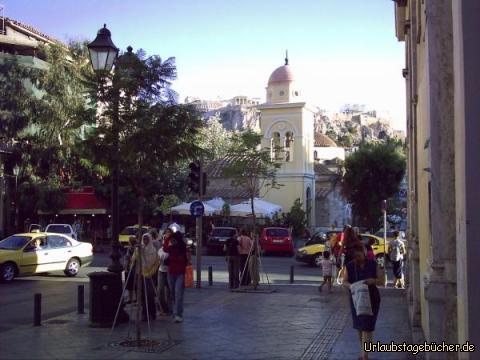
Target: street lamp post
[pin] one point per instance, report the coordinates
(103, 54)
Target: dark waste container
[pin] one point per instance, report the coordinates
(105, 295)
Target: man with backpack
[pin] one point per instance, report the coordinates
(396, 252)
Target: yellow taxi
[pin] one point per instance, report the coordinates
(36, 252)
(128, 231)
(312, 252)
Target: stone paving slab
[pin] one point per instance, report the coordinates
(294, 322)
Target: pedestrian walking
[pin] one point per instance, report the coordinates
(177, 262)
(327, 269)
(396, 252)
(244, 250)
(350, 241)
(231, 249)
(357, 272)
(163, 288)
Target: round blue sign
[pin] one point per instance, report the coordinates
(197, 209)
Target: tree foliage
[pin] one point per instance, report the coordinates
(251, 167)
(214, 139)
(372, 173)
(156, 135)
(297, 218)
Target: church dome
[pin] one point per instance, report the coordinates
(322, 140)
(281, 75)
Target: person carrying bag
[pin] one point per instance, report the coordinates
(362, 276)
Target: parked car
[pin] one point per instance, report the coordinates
(65, 229)
(390, 235)
(216, 240)
(312, 253)
(128, 231)
(33, 253)
(276, 240)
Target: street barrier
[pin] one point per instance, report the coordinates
(210, 276)
(81, 299)
(37, 310)
(291, 274)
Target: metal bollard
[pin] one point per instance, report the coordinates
(81, 299)
(291, 274)
(210, 276)
(37, 310)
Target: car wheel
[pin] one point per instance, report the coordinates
(73, 266)
(317, 260)
(8, 272)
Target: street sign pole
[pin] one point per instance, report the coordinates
(385, 239)
(198, 223)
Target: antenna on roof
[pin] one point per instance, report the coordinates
(286, 57)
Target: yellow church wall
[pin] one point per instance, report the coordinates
(296, 175)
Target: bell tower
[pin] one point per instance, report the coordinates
(287, 127)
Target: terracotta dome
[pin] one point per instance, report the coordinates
(280, 75)
(322, 140)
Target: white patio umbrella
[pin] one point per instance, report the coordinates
(216, 203)
(184, 209)
(262, 208)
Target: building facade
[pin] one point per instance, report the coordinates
(443, 86)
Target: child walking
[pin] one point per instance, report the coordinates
(327, 268)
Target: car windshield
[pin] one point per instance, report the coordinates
(223, 232)
(132, 231)
(277, 232)
(58, 229)
(14, 242)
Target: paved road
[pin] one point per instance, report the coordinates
(59, 293)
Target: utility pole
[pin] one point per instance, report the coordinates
(199, 227)
(384, 208)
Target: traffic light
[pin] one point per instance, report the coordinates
(194, 176)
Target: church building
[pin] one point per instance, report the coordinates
(311, 162)
(287, 125)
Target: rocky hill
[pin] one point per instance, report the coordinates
(348, 127)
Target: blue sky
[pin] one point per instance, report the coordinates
(343, 51)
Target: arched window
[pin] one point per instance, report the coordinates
(289, 146)
(315, 155)
(276, 147)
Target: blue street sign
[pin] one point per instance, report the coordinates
(197, 209)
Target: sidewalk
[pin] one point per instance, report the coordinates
(294, 322)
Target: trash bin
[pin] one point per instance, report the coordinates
(105, 295)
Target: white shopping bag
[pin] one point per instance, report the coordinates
(361, 298)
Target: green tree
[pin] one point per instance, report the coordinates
(372, 173)
(297, 217)
(214, 139)
(156, 134)
(251, 168)
(44, 115)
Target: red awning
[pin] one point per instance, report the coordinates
(83, 201)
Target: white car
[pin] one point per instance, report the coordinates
(65, 229)
(33, 253)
